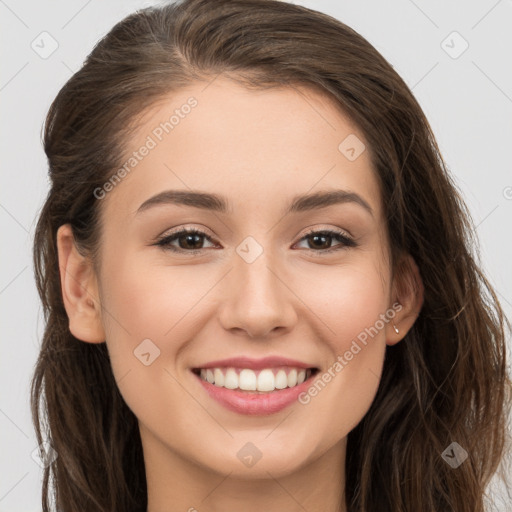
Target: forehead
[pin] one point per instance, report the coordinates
(256, 147)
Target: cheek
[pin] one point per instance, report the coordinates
(345, 300)
(143, 305)
(352, 306)
(146, 301)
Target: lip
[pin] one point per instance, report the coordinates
(253, 403)
(256, 364)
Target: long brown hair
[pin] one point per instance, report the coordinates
(445, 382)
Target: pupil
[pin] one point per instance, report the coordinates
(316, 237)
(189, 237)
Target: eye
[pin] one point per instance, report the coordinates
(318, 240)
(189, 240)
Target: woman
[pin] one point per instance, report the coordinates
(258, 278)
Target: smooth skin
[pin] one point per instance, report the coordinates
(258, 149)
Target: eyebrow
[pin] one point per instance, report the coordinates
(217, 203)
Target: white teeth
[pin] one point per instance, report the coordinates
(292, 378)
(281, 380)
(266, 380)
(231, 379)
(247, 380)
(218, 377)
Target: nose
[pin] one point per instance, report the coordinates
(257, 300)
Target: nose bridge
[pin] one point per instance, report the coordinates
(257, 300)
(256, 272)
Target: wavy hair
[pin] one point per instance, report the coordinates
(445, 381)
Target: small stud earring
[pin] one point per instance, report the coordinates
(396, 328)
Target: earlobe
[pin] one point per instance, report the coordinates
(409, 294)
(79, 289)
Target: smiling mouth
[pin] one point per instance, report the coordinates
(267, 380)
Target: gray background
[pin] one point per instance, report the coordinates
(466, 97)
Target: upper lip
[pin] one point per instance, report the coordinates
(256, 364)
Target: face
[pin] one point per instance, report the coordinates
(260, 278)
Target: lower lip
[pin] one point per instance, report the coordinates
(245, 402)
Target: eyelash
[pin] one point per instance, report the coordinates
(346, 242)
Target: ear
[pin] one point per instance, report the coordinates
(79, 289)
(408, 291)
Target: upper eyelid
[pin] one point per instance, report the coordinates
(202, 232)
(184, 230)
(328, 230)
